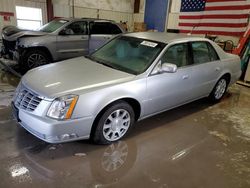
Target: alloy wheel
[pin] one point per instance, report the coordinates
(116, 125)
(220, 89)
(35, 60)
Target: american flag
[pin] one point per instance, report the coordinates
(215, 17)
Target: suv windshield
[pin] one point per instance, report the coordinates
(52, 26)
(128, 54)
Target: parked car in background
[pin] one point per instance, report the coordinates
(8, 46)
(132, 77)
(58, 40)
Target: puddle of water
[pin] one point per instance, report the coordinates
(6, 94)
(230, 123)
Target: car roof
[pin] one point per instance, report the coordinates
(87, 19)
(165, 37)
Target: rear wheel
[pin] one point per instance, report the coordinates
(114, 123)
(35, 58)
(219, 89)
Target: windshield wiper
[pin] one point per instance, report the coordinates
(100, 62)
(108, 65)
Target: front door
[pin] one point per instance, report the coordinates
(167, 90)
(73, 41)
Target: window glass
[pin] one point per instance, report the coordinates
(114, 29)
(213, 54)
(203, 52)
(77, 28)
(28, 24)
(53, 25)
(25, 21)
(176, 54)
(99, 28)
(128, 54)
(104, 28)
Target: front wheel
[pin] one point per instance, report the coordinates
(219, 90)
(114, 123)
(34, 58)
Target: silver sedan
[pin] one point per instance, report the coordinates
(132, 77)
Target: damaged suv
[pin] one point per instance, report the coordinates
(60, 39)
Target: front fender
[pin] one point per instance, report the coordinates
(91, 104)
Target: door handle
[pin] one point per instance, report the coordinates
(83, 37)
(184, 77)
(217, 68)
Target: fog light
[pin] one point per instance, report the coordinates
(73, 135)
(65, 137)
(68, 136)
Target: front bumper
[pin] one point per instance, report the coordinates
(54, 131)
(8, 49)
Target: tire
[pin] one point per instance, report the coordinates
(34, 58)
(219, 89)
(114, 124)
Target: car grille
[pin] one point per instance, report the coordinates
(9, 45)
(26, 99)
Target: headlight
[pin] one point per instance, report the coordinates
(62, 107)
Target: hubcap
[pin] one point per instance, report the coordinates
(116, 125)
(36, 60)
(115, 156)
(220, 88)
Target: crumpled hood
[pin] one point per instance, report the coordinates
(13, 33)
(73, 76)
(10, 30)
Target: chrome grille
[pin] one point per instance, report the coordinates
(26, 99)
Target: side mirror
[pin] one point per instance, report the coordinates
(168, 67)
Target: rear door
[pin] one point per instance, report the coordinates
(206, 67)
(73, 40)
(100, 33)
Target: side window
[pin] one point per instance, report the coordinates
(203, 52)
(176, 54)
(114, 29)
(77, 28)
(99, 28)
(213, 54)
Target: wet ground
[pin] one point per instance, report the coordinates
(197, 145)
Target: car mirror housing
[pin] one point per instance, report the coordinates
(168, 67)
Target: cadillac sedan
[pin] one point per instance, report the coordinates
(132, 77)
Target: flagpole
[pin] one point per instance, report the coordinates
(167, 15)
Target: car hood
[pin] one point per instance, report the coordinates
(74, 76)
(10, 30)
(11, 33)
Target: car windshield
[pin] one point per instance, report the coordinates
(52, 26)
(128, 54)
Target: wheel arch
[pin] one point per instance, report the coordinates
(41, 48)
(227, 76)
(135, 104)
